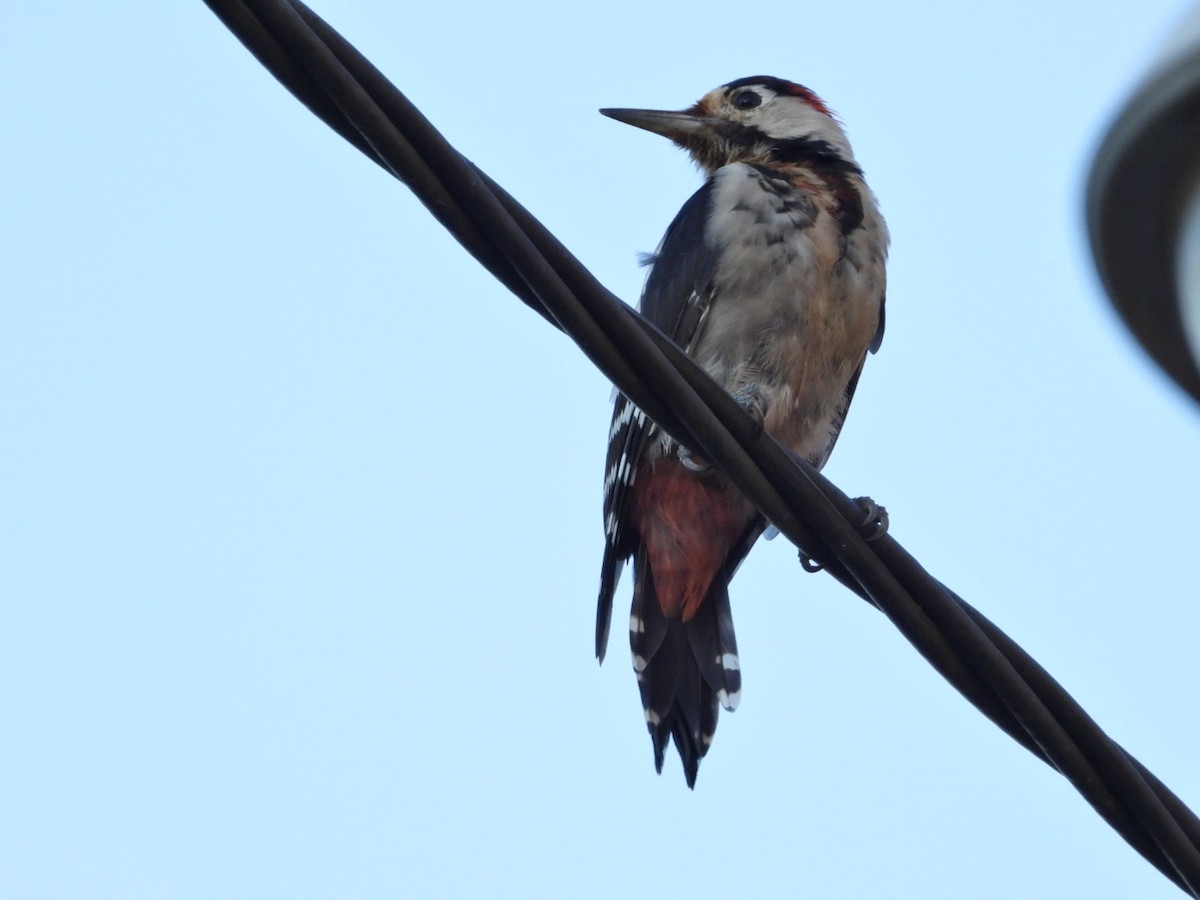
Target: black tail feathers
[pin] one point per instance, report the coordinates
(686, 670)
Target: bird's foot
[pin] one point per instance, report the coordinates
(750, 398)
(697, 465)
(875, 519)
(873, 526)
(809, 564)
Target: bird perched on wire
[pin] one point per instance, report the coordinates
(772, 278)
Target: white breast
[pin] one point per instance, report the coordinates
(796, 302)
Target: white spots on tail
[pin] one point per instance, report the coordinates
(730, 699)
(636, 625)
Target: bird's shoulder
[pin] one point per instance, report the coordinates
(680, 280)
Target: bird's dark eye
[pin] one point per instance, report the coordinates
(746, 99)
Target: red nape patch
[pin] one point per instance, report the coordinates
(688, 526)
(799, 90)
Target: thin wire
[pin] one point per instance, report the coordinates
(343, 89)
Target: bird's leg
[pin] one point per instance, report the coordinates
(750, 398)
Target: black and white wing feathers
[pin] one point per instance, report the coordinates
(678, 293)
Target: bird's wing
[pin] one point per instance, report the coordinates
(678, 293)
(835, 428)
(877, 341)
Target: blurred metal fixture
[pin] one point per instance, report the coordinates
(1143, 209)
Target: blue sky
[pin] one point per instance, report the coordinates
(299, 513)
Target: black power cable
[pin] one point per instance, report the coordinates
(350, 95)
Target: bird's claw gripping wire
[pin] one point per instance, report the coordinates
(749, 397)
(810, 565)
(873, 526)
(693, 463)
(875, 522)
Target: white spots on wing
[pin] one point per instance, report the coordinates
(639, 663)
(623, 472)
(628, 415)
(729, 699)
(616, 474)
(652, 718)
(729, 661)
(623, 417)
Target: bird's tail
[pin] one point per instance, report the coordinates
(686, 670)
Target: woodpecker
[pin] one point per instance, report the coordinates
(772, 278)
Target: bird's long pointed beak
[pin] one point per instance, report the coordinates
(681, 127)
